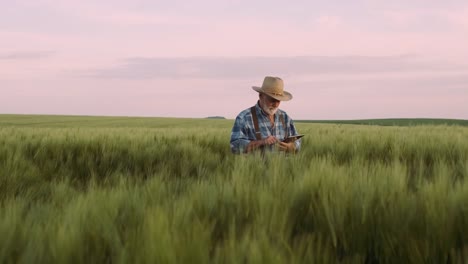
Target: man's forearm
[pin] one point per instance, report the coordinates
(254, 144)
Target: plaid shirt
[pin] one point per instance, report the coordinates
(243, 130)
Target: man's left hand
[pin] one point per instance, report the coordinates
(287, 147)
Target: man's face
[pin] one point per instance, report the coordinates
(269, 104)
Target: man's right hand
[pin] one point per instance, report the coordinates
(262, 142)
(270, 140)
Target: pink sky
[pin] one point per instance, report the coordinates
(354, 60)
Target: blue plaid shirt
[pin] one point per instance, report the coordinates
(243, 130)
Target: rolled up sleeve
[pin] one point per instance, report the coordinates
(239, 137)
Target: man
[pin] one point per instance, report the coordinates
(264, 126)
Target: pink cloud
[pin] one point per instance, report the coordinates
(458, 18)
(329, 22)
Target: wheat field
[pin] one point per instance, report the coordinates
(161, 190)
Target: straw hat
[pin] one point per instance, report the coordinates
(273, 87)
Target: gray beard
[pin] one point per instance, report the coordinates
(270, 111)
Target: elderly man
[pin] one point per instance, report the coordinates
(263, 126)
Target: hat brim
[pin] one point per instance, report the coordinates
(285, 97)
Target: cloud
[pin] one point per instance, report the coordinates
(118, 13)
(26, 55)
(424, 19)
(329, 22)
(247, 67)
(442, 83)
(458, 18)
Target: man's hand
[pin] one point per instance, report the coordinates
(262, 142)
(270, 140)
(287, 147)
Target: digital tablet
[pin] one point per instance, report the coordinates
(292, 138)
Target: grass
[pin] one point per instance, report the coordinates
(156, 190)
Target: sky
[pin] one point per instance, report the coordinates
(354, 59)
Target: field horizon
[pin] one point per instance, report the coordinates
(7, 119)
